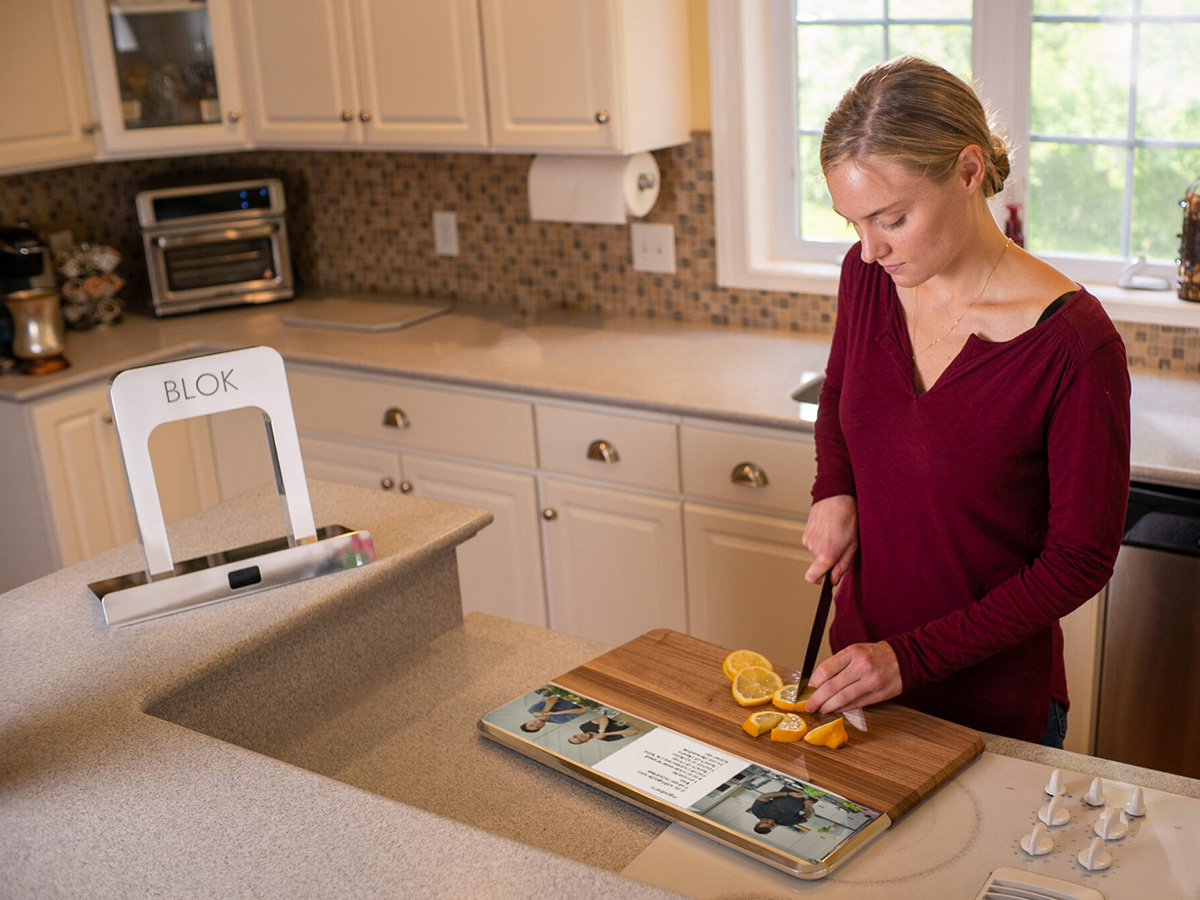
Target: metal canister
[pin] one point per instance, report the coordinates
(1189, 247)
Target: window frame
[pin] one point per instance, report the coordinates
(753, 127)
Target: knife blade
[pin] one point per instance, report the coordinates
(818, 631)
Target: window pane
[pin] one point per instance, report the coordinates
(818, 221)
(1160, 179)
(1082, 7)
(1075, 198)
(831, 57)
(846, 9)
(949, 45)
(1168, 99)
(1079, 79)
(930, 9)
(1170, 7)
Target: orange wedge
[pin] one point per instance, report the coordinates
(761, 722)
(755, 685)
(790, 698)
(739, 659)
(790, 728)
(832, 735)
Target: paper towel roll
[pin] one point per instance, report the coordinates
(602, 189)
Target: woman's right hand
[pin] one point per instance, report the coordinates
(831, 536)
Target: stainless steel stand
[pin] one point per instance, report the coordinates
(146, 397)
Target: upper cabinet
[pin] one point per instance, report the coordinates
(590, 76)
(164, 75)
(375, 72)
(44, 113)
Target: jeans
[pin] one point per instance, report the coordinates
(1056, 729)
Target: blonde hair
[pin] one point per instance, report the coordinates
(916, 113)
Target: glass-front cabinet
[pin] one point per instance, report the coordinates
(164, 75)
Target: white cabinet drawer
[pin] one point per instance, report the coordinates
(421, 418)
(724, 466)
(601, 446)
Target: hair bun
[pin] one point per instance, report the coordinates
(1001, 168)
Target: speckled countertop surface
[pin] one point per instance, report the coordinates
(359, 690)
(730, 374)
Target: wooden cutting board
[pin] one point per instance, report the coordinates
(676, 681)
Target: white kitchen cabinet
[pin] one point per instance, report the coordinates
(164, 76)
(85, 482)
(343, 73)
(1083, 632)
(594, 76)
(45, 116)
(614, 561)
(746, 587)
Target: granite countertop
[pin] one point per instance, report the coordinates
(730, 374)
(312, 740)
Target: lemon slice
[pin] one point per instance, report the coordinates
(790, 728)
(761, 722)
(790, 698)
(755, 685)
(832, 735)
(739, 659)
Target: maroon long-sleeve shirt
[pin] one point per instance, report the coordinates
(988, 506)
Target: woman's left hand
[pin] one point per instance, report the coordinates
(857, 676)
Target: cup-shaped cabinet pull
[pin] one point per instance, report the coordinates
(395, 418)
(603, 451)
(748, 474)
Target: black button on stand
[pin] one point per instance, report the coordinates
(244, 577)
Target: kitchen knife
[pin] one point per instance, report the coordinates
(818, 631)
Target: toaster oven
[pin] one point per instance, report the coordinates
(215, 245)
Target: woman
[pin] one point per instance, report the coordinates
(973, 433)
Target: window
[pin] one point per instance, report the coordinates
(1094, 96)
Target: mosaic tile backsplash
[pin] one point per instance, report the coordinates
(362, 221)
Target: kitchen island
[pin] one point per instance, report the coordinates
(319, 739)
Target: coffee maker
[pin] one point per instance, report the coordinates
(31, 329)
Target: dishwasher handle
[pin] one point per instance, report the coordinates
(1163, 518)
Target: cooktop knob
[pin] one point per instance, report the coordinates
(1055, 785)
(1037, 842)
(1095, 857)
(1109, 826)
(1095, 794)
(1055, 812)
(1137, 804)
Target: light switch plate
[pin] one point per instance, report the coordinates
(445, 233)
(653, 247)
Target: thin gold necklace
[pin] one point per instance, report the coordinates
(978, 297)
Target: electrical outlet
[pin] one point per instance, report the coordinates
(653, 247)
(445, 233)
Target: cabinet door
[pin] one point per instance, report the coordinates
(550, 73)
(1082, 634)
(746, 586)
(44, 113)
(500, 569)
(298, 65)
(350, 464)
(164, 76)
(614, 561)
(420, 74)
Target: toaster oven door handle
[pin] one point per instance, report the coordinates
(223, 234)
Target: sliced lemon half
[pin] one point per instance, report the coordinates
(790, 728)
(761, 722)
(791, 698)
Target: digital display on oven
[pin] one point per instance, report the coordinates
(212, 203)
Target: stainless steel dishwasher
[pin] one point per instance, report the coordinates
(1149, 694)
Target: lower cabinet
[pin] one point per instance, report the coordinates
(746, 587)
(614, 561)
(500, 569)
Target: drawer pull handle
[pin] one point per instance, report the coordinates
(406, 487)
(386, 483)
(748, 474)
(603, 451)
(549, 514)
(395, 418)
